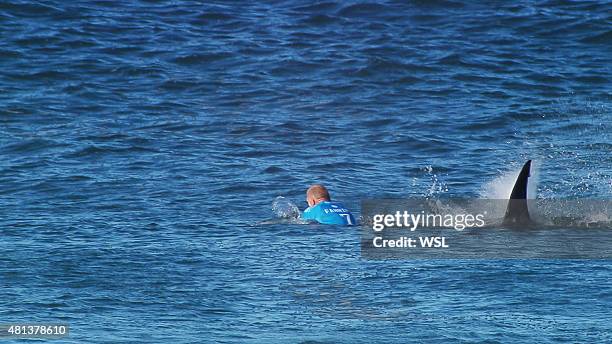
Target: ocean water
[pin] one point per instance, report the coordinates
(142, 145)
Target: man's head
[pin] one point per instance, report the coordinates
(317, 193)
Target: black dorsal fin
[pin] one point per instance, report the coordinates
(517, 212)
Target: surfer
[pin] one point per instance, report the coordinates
(323, 210)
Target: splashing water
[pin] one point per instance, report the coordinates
(437, 187)
(547, 210)
(285, 209)
(501, 187)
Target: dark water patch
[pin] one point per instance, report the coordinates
(487, 124)
(78, 178)
(442, 4)
(476, 78)
(426, 18)
(455, 60)
(576, 127)
(201, 58)
(543, 78)
(133, 71)
(258, 153)
(76, 44)
(257, 50)
(113, 28)
(273, 170)
(376, 66)
(215, 16)
(180, 85)
(408, 80)
(602, 38)
(238, 188)
(123, 50)
(36, 41)
(335, 166)
(29, 10)
(506, 41)
(104, 137)
(167, 126)
(416, 145)
(377, 123)
(292, 67)
(10, 54)
(99, 151)
(165, 105)
(319, 20)
(497, 94)
(318, 7)
(30, 146)
(244, 130)
(363, 10)
(594, 79)
(291, 126)
(519, 86)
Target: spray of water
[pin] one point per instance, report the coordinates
(501, 186)
(547, 210)
(436, 187)
(285, 209)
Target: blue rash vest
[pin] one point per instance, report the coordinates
(329, 213)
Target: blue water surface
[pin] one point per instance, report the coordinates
(143, 142)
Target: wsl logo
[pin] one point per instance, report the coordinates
(408, 242)
(433, 242)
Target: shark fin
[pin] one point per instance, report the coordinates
(517, 212)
